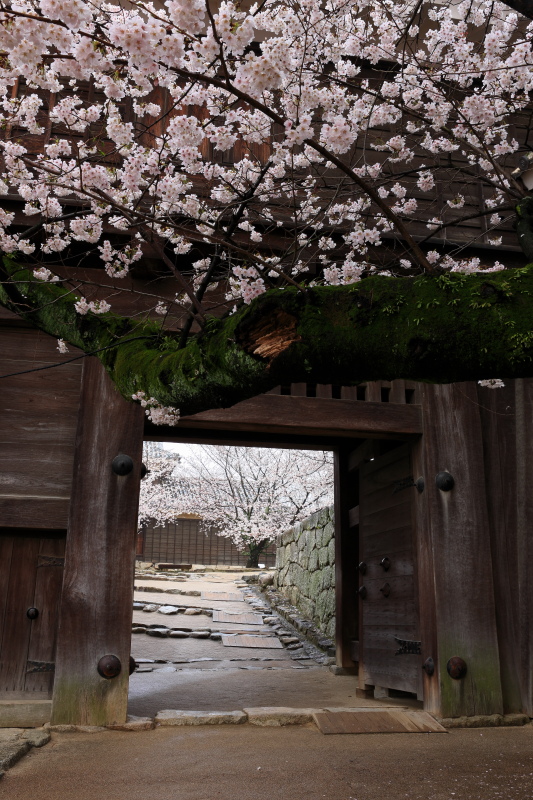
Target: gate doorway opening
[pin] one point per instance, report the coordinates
(360, 628)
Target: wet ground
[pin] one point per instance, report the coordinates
(203, 674)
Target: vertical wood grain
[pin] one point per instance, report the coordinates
(524, 505)
(346, 548)
(423, 547)
(47, 597)
(458, 535)
(498, 416)
(96, 606)
(386, 531)
(6, 552)
(17, 626)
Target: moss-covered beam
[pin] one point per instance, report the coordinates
(443, 329)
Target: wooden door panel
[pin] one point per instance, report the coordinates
(376, 501)
(31, 574)
(390, 541)
(17, 626)
(401, 564)
(6, 551)
(43, 635)
(389, 609)
(386, 519)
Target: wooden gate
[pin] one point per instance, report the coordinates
(389, 628)
(31, 575)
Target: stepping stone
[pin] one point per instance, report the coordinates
(289, 639)
(376, 721)
(200, 635)
(150, 607)
(200, 717)
(168, 610)
(178, 635)
(138, 606)
(134, 724)
(222, 596)
(161, 632)
(241, 619)
(190, 611)
(278, 716)
(247, 640)
(216, 637)
(138, 629)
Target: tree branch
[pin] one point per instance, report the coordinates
(451, 328)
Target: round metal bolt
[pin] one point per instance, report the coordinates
(122, 465)
(444, 481)
(456, 668)
(109, 666)
(429, 666)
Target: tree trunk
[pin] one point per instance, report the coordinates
(437, 329)
(254, 551)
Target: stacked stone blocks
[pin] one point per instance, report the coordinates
(305, 569)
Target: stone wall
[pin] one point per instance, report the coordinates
(305, 569)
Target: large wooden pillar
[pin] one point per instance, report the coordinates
(96, 606)
(524, 529)
(454, 533)
(507, 502)
(346, 552)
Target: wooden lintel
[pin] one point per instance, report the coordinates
(312, 416)
(34, 512)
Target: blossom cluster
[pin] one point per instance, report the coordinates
(254, 145)
(157, 413)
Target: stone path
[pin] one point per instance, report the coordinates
(184, 664)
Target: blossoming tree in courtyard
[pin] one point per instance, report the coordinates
(251, 494)
(303, 163)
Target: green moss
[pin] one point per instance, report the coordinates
(444, 329)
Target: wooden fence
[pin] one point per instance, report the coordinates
(184, 542)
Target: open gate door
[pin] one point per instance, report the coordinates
(389, 647)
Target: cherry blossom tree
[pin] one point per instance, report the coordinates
(248, 494)
(159, 489)
(360, 132)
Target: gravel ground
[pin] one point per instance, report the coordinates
(240, 762)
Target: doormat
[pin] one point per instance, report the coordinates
(246, 619)
(376, 721)
(226, 596)
(246, 640)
